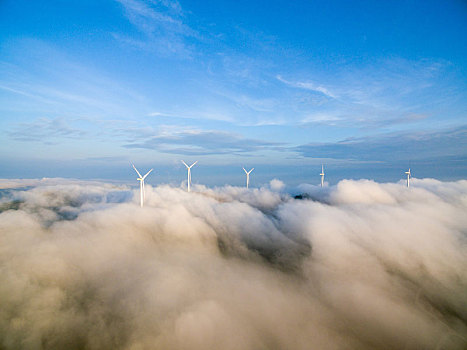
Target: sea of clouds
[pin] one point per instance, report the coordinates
(359, 265)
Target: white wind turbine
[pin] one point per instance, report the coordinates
(248, 176)
(141, 184)
(322, 175)
(189, 173)
(408, 178)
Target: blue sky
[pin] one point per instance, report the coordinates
(365, 87)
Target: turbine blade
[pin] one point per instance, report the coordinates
(147, 173)
(246, 172)
(251, 170)
(193, 164)
(136, 170)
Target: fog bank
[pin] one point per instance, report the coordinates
(359, 265)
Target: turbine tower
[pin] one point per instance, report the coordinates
(141, 184)
(248, 176)
(322, 175)
(408, 178)
(189, 173)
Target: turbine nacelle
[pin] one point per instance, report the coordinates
(248, 172)
(189, 167)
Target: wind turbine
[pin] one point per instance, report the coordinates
(322, 175)
(248, 176)
(189, 173)
(408, 178)
(141, 184)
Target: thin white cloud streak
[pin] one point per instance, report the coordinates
(146, 18)
(23, 93)
(200, 115)
(307, 86)
(368, 266)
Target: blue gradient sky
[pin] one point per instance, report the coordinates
(365, 87)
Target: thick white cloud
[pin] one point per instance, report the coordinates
(367, 266)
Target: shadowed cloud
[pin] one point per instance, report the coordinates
(403, 146)
(205, 142)
(46, 130)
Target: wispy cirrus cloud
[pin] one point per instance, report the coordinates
(56, 84)
(200, 115)
(389, 93)
(23, 93)
(150, 16)
(162, 24)
(307, 85)
(255, 104)
(390, 82)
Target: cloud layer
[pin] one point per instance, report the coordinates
(357, 266)
(204, 143)
(398, 146)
